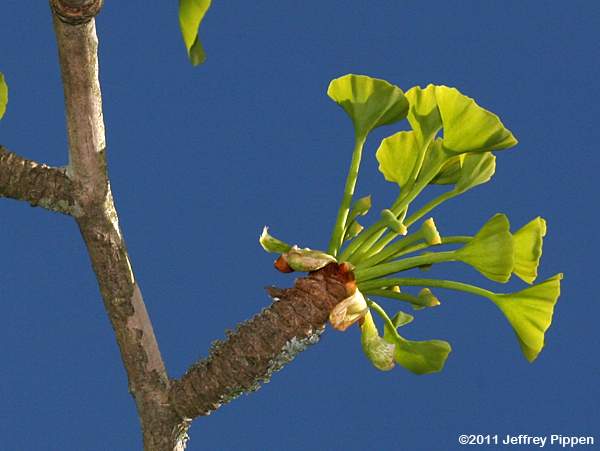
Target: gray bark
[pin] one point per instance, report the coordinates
(236, 365)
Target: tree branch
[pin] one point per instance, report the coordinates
(38, 184)
(250, 355)
(162, 428)
(262, 345)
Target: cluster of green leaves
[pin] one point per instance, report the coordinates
(461, 158)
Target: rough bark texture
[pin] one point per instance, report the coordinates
(38, 184)
(261, 345)
(248, 356)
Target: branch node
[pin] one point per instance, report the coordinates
(76, 12)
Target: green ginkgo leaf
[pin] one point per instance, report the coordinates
(420, 357)
(370, 102)
(528, 241)
(400, 157)
(467, 126)
(529, 312)
(3, 95)
(491, 251)
(377, 350)
(423, 114)
(476, 168)
(191, 13)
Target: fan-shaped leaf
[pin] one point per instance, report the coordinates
(491, 251)
(370, 102)
(529, 312)
(528, 242)
(400, 157)
(467, 126)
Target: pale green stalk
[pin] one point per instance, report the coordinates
(390, 251)
(448, 240)
(414, 282)
(379, 244)
(381, 312)
(398, 296)
(377, 229)
(337, 235)
(402, 265)
(428, 207)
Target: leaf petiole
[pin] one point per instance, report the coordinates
(337, 235)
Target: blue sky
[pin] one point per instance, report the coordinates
(202, 158)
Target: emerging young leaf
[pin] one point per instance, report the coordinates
(390, 220)
(528, 242)
(430, 232)
(377, 350)
(272, 244)
(353, 230)
(467, 126)
(370, 102)
(3, 95)
(428, 298)
(529, 312)
(191, 13)
(360, 208)
(491, 251)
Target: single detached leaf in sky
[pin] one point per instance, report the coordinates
(467, 126)
(191, 13)
(529, 312)
(3, 95)
(528, 249)
(491, 251)
(370, 102)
